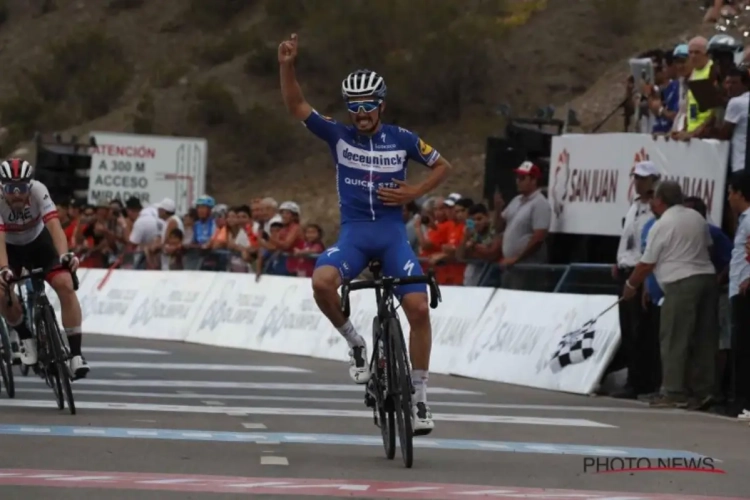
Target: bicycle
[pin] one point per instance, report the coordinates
(389, 390)
(6, 361)
(27, 308)
(52, 349)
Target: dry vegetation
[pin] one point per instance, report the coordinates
(208, 68)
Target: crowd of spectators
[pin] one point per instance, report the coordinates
(684, 315)
(263, 237)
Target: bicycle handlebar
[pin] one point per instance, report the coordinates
(35, 273)
(347, 286)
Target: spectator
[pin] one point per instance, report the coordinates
(173, 250)
(74, 216)
(479, 242)
(62, 213)
(146, 229)
(734, 128)
(312, 247)
(664, 102)
(82, 244)
(682, 71)
(268, 209)
(100, 241)
(721, 255)
(245, 242)
(289, 237)
(410, 213)
(703, 69)
(645, 360)
(270, 261)
(437, 234)
(677, 253)
(458, 214)
(525, 224)
(632, 316)
(188, 221)
(220, 236)
(204, 226)
(739, 285)
(166, 210)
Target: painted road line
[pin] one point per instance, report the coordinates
(322, 488)
(213, 403)
(358, 401)
(347, 440)
(305, 412)
(272, 460)
(252, 425)
(124, 350)
(198, 367)
(124, 375)
(259, 386)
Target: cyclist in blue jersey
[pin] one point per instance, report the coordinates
(370, 159)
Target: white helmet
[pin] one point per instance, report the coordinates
(363, 83)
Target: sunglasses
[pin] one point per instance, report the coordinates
(16, 188)
(366, 106)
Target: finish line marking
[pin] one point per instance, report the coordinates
(324, 488)
(304, 412)
(260, 386)
(358, 401)
(124, 350)
(341, 439)
(198, 367)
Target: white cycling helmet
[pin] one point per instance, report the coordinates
(363, 83)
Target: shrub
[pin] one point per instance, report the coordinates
(226, 48)
(261, 59)
(617, 16)
(3, 11)
(168, 73)
(214, 14)
(214, 105)
(119, 5)
(287, 14)
(22, 112)
(145, 115)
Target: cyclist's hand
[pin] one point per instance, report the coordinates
(402, 195)
(70, 261)
(6, 274)
(288, 50)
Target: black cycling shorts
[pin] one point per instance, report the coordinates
(40, 253)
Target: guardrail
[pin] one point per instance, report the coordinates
(582, 278)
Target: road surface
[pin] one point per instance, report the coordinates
(162, 420)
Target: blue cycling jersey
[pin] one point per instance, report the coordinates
(366, 163)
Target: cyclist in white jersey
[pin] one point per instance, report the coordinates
(32, 237)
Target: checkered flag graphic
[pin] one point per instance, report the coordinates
(575, 347)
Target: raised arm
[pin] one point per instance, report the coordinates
(291, 92)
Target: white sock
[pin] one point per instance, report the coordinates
(350, 334)
(419, 380)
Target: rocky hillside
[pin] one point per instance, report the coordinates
(208, 68)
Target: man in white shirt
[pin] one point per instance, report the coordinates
(735, 118)
(632, 315)
(677, 252)
(146, 226)
(739, 291)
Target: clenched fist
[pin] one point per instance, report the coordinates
(288, 50)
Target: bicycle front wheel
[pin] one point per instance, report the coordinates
(47, 360)
(60, 356)
(386, 413)
(402, 394)
(6, 362)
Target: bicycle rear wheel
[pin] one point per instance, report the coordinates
(6, 361)
(60, 357)
(401, 382)
(386, 413)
